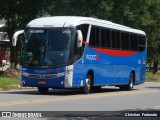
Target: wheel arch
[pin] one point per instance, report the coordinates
(91, 73)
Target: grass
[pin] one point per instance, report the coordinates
(150, 77)
(7, 83)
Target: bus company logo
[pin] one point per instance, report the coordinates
(93, 57)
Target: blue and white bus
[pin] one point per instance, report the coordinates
(81, 52)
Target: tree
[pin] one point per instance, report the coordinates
(143, 14)
(17, 14)
(90, 8)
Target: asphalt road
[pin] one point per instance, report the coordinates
(145, 97)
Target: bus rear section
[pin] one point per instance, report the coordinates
(116, 57)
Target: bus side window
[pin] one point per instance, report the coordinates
(127, 41)
(94, 37)
(108, 38)
(123, 39)
(114, 44)
(118, 40)
(132, 42)
(84, 30)
(142, 43)
(136, 42)
(92, 41)
(103, 38)
(76, 50)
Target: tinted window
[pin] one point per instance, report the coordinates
(84, 30)
(127, 41)
(142, 43)
(132, 42)
(108, 38)
(114, 43)
(123, 40)
(95, 37)
(103, 38)
(136, 42)
(118, 44)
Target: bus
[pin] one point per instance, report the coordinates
(80, 52)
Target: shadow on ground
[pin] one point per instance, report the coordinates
(61, 92)
(154, 87)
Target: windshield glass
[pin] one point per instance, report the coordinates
(48, 47)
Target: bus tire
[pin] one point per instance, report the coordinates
(87, 88)
(43, 90)
(128, 87)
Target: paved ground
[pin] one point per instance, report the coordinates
(145, 97)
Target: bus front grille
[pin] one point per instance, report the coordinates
(43, 76)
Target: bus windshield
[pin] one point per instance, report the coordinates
(47, 47)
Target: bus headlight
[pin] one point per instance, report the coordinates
(69, 71)
(25, 74)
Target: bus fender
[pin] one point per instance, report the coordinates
(132, 71)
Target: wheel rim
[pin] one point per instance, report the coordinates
(88, 85)
(131, 82)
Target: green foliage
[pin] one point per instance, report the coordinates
(17, 14)
(150, 77)
(90, 8)
(131, 13)
(8, 83)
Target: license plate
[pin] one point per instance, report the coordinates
(42, 82)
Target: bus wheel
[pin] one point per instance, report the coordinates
(43, 90)
(87, 88)
(128, 87)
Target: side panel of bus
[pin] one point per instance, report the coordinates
(109, 69)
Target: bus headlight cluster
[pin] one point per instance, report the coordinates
(60, 74)
(69, 71)
(65, 73)
(25, 74)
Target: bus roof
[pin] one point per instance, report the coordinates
(73, 21)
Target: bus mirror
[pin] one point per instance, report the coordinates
(15, 37)
(79, 38)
